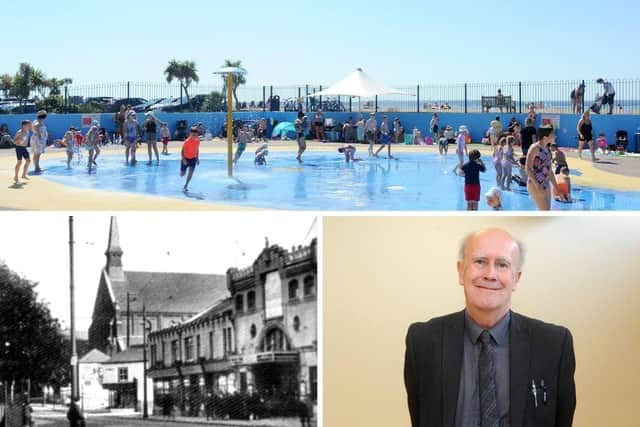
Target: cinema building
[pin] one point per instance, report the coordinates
(258, 341)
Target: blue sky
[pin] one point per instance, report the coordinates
(404, 42)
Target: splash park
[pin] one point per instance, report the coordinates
(419, 179)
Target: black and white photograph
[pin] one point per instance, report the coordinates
(159, 319)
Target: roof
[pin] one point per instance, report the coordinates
(358, 83)
(94, 356)
(132, 354)
(170, 292)
(81, 335)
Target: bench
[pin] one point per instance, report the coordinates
(500, 102)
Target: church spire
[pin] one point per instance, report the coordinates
(113, 252)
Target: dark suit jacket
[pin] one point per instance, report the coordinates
(538, 351)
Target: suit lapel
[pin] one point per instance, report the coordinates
(453, 348)
(519, 367)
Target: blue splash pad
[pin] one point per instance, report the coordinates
(324, 181)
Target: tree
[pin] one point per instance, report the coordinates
(214, 102)
(31, 345)
(185, 72)
(238, 79)
(55, 84)
(6, 82)
(22, 83)
(38, 80)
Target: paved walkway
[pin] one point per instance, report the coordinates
(126, 417)
(615, 172)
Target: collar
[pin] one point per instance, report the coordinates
(499, 332)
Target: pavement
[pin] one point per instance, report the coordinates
(618, 172)
(56, 417)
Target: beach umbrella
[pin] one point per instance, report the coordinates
(287, 128)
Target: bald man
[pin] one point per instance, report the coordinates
(486, 365)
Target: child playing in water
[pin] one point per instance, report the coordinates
(69, 140)
(21, 141)
(443, 144)
(190, 155)
(521, 177)
(165, 134)
(349, 152)
(261, 154)
(92, 144)
(507, 163)
(558, 159)
(461, 144)
(494, 198)
(243, 138)
(564, 186)
(132, 132)
(471, 172)
(496, 159)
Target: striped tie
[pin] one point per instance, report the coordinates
(488, 392)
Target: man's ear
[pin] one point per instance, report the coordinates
(460, 266)
(517, 281)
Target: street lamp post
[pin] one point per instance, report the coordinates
(230, 72)
(145, 328)
(74, 354)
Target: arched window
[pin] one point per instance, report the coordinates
(275, 340)
(239, 303)
(296, 323)
(309, 285)
(251, 300)
(253, 331)
(293, 289)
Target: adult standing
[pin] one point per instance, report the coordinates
(300, 123)
(150, 126)
(585, 134)
(609, 93)
(39, 138)
(74, 415)
(119, 118)
(27, 410)
(370, 131)
(433, 127)
(488, 365)
(577, 99)
(527, 135)
(538, 167)
(385, 136)
(318, 125)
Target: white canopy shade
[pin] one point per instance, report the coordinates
(232, 70)
(358, 83)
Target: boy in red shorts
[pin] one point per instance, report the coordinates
(190, 152)
(471, 172)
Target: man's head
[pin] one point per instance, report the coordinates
(489, 268)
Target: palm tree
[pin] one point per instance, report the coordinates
(55, 84)
(6, 82)
(185, 72)
(38, 80)
(238, 79)
(22, 83)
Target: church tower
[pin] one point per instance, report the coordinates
(114, 253)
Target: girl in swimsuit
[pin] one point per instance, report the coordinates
(539, 173)
(507, 164)
(496, 158)
(132, 132)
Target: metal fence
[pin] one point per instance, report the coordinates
(544, 96)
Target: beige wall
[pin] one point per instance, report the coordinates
(382, 273)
